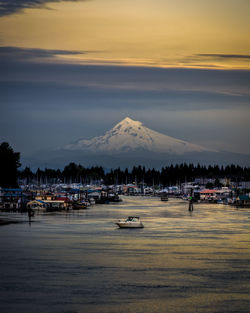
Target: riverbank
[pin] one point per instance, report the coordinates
(6, 221)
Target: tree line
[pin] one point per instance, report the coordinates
(167, 176)
(76, 173)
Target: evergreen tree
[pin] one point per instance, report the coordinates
(9, 163)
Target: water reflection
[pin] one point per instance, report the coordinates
(81, 262)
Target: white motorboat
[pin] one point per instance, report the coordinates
(130, 222)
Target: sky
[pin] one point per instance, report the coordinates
(73, 69)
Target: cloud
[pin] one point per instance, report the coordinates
(25, 54)
(8, 7)
(42, 66)
(224, 56)
(219, 61)
(30, 52)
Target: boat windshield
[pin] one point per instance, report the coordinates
(132, 219)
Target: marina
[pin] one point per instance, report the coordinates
(80, 261)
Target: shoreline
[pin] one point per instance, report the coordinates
(7, 222)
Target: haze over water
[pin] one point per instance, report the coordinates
(81, 262)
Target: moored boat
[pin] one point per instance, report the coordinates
(79, 205)
(164, 198)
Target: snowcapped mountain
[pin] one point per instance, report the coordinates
(130, 135)
(128, 144)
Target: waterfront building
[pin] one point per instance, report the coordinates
(215, 194)
(243, 201)
(14, 198)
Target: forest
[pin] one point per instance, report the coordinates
(169, 175)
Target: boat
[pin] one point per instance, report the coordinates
(91, 201)
(114, 198)
(78, 205)
(164, 198)
(130, 222)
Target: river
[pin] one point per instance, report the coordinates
(81, 262)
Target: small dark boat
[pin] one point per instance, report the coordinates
(79, 205)
(164, 198)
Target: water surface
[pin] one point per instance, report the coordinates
(81, 262)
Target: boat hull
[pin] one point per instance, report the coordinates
(129, 225)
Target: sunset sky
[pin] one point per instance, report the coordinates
(73, 69)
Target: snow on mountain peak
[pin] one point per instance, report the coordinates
(127, 123)
(129, 135)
